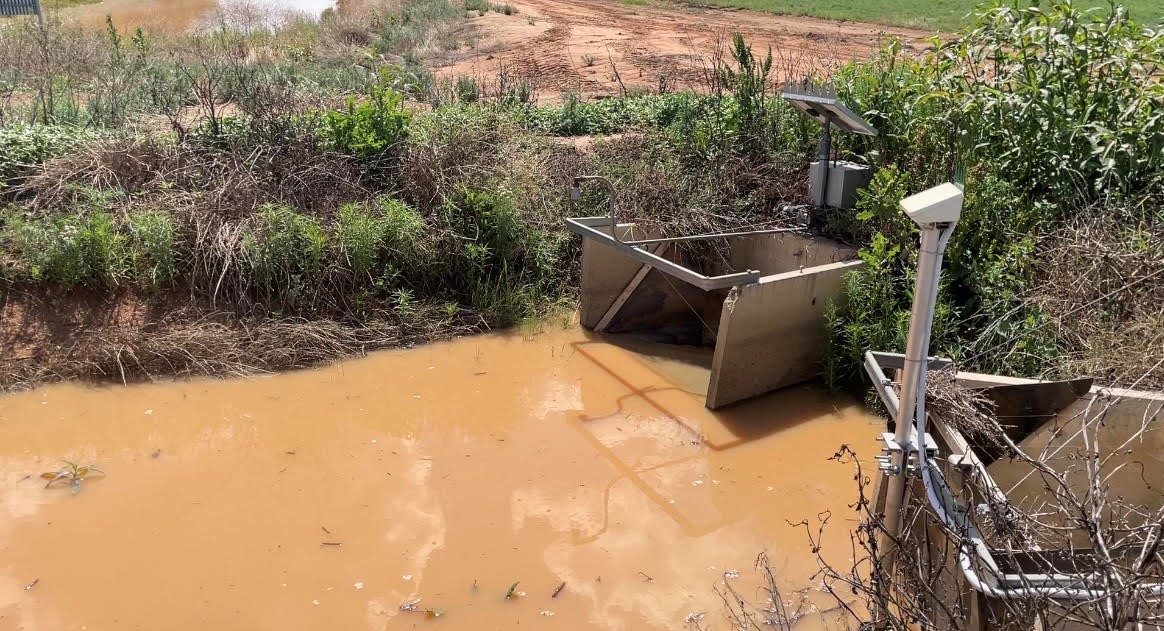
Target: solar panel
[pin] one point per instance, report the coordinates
(822, 104)
(19, 7)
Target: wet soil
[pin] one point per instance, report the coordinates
(326, 499)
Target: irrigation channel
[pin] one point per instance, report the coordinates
(367, 493)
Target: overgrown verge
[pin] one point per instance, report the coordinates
(347, 219)
(1054, 118)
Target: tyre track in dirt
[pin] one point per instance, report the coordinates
(599, 47)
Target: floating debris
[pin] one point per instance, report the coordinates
(697, 483)
(407, 577)
(558, 590)
(29, 587)
(731, 574)
(410, 605)
(433, 613)
(509, 594)
(695, 618)
(72, 473)
(547, 613)
(358, 584)
(315, 602)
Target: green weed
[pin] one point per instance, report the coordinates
(369, 127)
(286, 251)
(153, 242)
(68, 250)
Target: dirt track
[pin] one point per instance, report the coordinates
(566, 45)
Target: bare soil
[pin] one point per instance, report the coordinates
(600, 47)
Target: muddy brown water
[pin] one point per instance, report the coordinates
(181, 15)
(326, 499)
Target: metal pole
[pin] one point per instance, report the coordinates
(576, 194)
(825, 149)
(933, 244)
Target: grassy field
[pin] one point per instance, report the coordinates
(945, 15)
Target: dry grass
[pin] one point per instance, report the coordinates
(1101, 279)
(193, 343)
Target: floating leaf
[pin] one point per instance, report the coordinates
(49, 475)
(509, 593)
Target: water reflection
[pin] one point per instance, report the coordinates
(326, 499)
(183, 15)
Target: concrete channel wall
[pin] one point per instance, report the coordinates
(771, 333)
(767, 334)
(1122, 412)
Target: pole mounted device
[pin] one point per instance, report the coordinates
(820, 103)
(936, 211)
(9, 8)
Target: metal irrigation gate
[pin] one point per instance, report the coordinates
(9, 8)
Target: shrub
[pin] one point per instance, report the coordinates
(359, 236)
(153, 247)
(67, 250)
(370, 127)
(467, 90)
(23, 147)
(286, 253)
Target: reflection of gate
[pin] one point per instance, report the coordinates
(21, 7)
(760, 306)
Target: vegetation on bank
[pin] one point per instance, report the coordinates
(950, 16)
(318, 174)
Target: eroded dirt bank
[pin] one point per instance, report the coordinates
(327, 499)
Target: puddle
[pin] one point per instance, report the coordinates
(327, 499)
(181, 15)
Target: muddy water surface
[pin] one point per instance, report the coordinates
(181, 15)
(327, 499)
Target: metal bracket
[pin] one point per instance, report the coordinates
(588, 227)
(890, 449)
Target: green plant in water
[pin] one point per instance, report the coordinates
(71, 473)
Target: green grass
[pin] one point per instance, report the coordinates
(945, 15)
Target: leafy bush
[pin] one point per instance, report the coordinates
(368, 128)
(23, 147)
(1060, 98)
(153, 247)
(1048, 110)
(67, 250)
(286, 253)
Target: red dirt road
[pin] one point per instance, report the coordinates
(577, 45)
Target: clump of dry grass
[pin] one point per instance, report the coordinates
(231, 181)
(194, 343)
(1101, 280)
